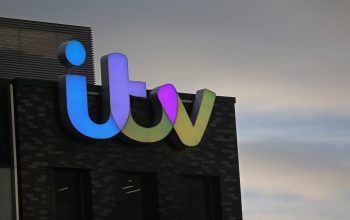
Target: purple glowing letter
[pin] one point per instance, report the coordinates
(167, 96)
(120, 87)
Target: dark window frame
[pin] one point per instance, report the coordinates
(213, 195)
(150, 198)
(6, 153)
(85, 211)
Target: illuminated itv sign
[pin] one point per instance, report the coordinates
(117, 89)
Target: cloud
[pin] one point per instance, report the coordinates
(273, 55)
(269, 207)
(294, 168)
(277, 169)
(306, 155)
(279, 184)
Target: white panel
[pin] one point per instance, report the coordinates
(5, 194)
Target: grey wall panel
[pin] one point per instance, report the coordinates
(6, 194)
(28, 49)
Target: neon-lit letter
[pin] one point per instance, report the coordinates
(162, 125)
(73, 97)
(117, 89)
(190, 130)
(74, 105)
(115, 69)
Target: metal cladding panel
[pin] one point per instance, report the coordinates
(29, 49)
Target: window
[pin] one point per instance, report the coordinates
(203, 197)
(5, 148)
(73, 196)
(6, 193)
(138, 196)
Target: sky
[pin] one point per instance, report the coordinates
(285, 61)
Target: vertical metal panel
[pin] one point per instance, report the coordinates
(28, 49)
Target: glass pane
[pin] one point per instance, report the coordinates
(203, 198)
(138, 194)
(5, 149)
(132, 192)
(71, 195)
(6, 194)
(197, 198)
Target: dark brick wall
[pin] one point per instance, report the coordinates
(43, 143)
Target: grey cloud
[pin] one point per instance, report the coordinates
(285, 55)
(294, 166)
(268, 207)
(330, 129)
(287, 166)
(286, 179)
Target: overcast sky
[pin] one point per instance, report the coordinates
(286, 61)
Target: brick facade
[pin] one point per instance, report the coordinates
(43, 143)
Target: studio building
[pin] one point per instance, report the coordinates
(73, 150)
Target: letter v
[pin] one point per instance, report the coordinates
(190, 130)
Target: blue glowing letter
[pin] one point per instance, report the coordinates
(74, 104)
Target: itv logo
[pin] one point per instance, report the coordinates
(117, 89)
